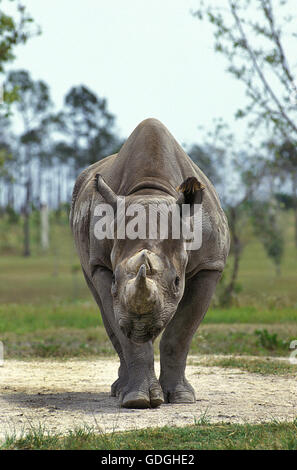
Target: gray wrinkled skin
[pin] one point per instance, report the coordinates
(144, 287)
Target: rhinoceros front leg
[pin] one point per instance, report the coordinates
(137, 386)
(107, 321)
(143, 389)
(176, 339)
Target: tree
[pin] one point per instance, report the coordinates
(208, 161)
(4, 144)
(89, 127)
(244, 176)
(268, 229)
(286, 161)
(8, 162)
(13, 31)
(32, 107)
(253, 36)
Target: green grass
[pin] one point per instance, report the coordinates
(46, 308)
(54, 276)
(243, 339)
(251, 314)
(47, 311)
(252, 365)
(26, 318)
(65, 342)
(272, 436)
(59, 343)
(23, 318)
(257, 274)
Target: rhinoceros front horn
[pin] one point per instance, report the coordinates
(140, 279)
(141, 293)
(105, 191)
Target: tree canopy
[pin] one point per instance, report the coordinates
(253, 36)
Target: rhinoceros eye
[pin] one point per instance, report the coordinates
(113, 286)
(177, 281)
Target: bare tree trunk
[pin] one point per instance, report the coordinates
(44, 227)
(237, 249)
(27, 250)
(59, 188)
(10, 197)
(39, 185)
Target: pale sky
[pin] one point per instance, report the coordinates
(148, 58)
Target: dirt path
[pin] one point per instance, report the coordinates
(60, 395)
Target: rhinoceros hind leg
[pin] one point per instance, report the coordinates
(120, 383)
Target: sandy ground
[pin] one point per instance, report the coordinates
(62, 395)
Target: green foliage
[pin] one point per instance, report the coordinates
(14, 30)
(286, 201)
(250, 35)
(13, 216)
(32, 103)
(270, 341)
(208, 160)
(88, 127)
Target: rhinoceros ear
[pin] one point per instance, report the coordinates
(105, 191)
(190, 191)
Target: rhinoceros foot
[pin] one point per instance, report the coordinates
(182, 392)
(150, 398)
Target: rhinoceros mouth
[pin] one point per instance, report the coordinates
(140, 334)
(136, 339)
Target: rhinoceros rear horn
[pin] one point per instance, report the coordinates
(105, 191)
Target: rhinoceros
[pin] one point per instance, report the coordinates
(144, 286)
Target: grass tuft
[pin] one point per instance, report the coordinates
(268, 436)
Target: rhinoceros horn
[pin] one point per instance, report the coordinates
(142, 292)
(105, 191)
(140, 279)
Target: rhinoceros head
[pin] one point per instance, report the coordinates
(146, 289)
(148, 279)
